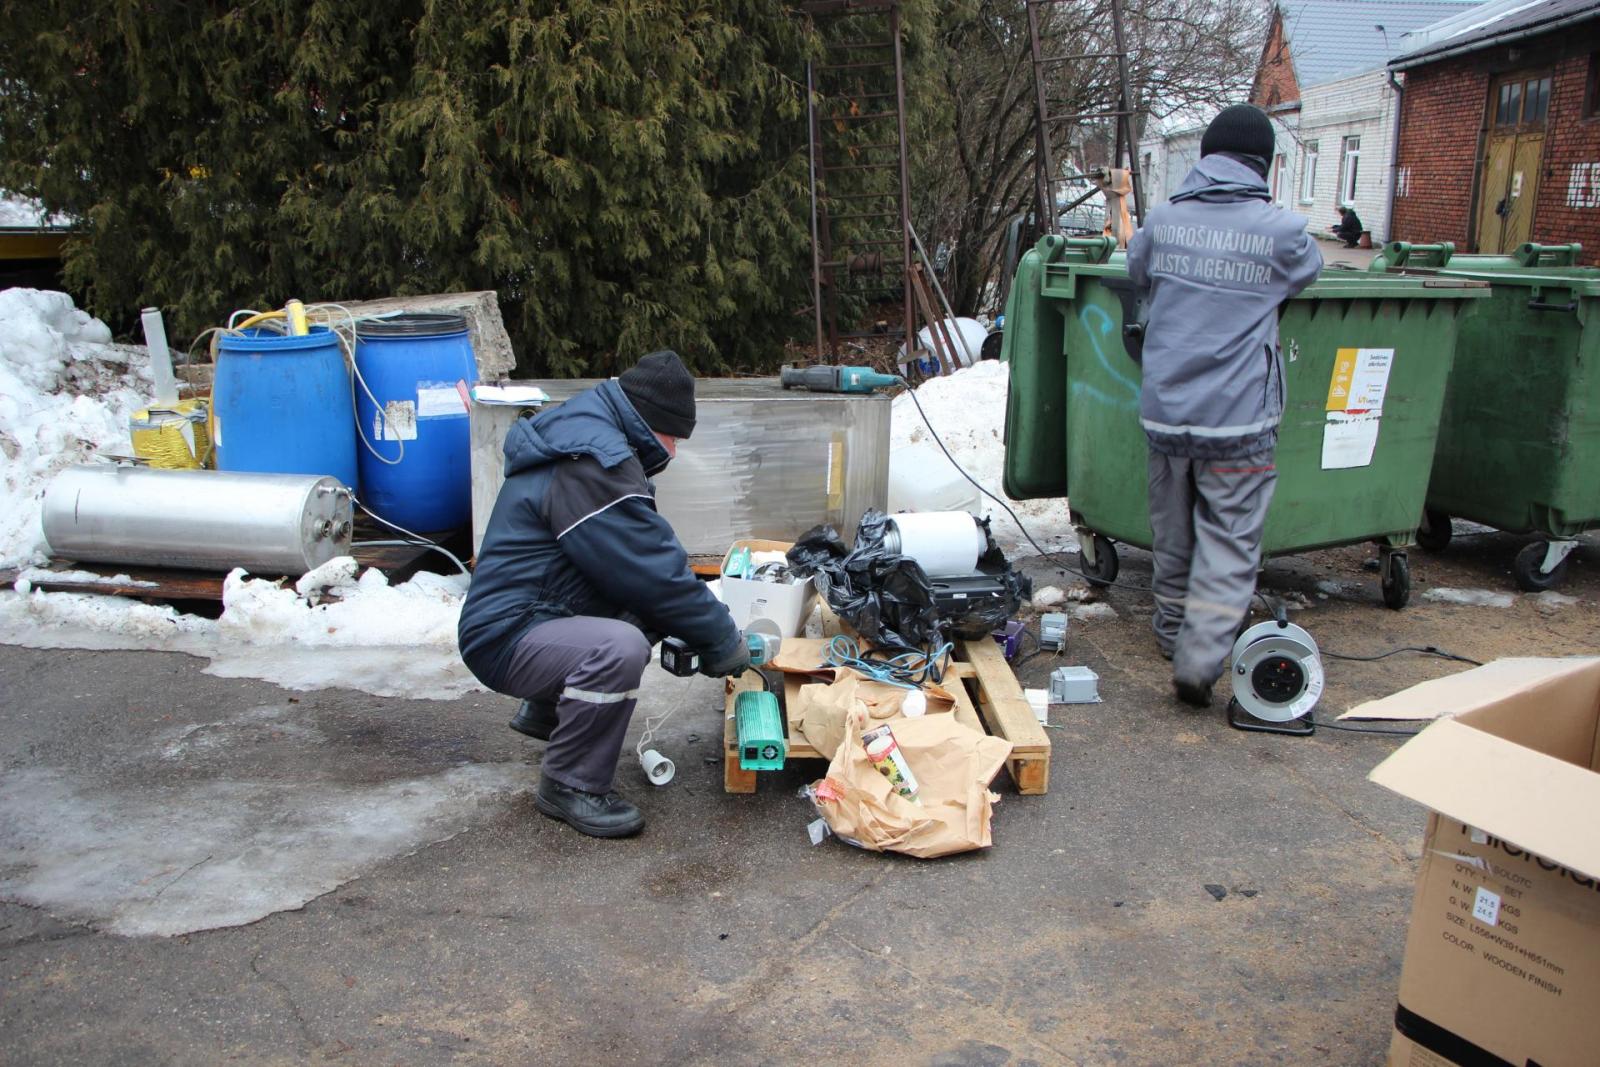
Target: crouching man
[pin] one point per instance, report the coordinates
(1216, 261)
(576, 568)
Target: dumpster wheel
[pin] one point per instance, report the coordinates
(1528, 568)
(1434, 533)
(1396, 580)
(1103, 571)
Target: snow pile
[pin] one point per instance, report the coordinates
(968, 411)
(65, 393)
(389, 640)
(421, 613)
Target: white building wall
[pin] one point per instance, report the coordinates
(1170, 159)
(1361, 106)
(1283, 173)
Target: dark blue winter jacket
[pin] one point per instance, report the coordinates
(575, 532)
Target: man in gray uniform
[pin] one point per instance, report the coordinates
(1215, 263)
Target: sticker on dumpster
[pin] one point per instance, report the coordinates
(396, 422)
(1360, 379)
(1349, 439)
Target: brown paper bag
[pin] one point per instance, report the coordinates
(954, 765)
(818, 710)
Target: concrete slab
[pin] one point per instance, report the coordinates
(1185, 893)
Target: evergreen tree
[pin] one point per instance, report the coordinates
(628, 174)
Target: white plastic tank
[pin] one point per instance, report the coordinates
(965, 334)
(922, 479)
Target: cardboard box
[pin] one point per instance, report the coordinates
(788, 606)
(1502, 962)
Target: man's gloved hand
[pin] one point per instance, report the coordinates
(728, 662)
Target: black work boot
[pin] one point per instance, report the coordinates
(594, 814)
(1195, 694)
(538, 721)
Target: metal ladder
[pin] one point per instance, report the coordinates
(860, 182)
(1046, 176)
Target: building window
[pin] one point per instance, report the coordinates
(1509, 104)
(1591, 91)
(1349, 163)
(1535, 100)
(1280, 164)
(1308, 172)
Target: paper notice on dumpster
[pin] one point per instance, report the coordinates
(1349, 439)
(1355, 406)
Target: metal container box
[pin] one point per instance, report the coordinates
(764, 463)
(205, 520)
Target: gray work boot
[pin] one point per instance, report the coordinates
(595, 814)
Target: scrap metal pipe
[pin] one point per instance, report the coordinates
(203, 520)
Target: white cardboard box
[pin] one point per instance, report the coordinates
(1502, 962)
(788, 606)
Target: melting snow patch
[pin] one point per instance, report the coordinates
(1478, 598)
(1048, 597)
(968, 411)
(1551, 601)
(173, 858)
(393, 641)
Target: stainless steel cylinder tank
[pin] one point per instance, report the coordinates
(203, 520)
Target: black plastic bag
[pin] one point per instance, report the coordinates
(885, 597)
(888, 599)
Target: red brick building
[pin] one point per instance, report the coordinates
(1500, 128)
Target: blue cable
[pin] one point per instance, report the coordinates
(907, 670)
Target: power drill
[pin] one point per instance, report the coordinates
(681, 661)
(826, 379)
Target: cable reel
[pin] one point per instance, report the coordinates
(1277, 679)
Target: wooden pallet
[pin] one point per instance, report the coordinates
(988, 697)
(398, 563)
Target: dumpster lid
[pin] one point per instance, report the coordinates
(1341, 284)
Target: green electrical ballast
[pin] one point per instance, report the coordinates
(759, 727)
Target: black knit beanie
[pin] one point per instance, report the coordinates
(661, 390)
(1243, 129)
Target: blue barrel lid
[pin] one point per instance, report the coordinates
(259, 340)
(412, 324)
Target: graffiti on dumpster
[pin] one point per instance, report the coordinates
(1104, 340)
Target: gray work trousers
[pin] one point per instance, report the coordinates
(589, 668)
(1207, 515)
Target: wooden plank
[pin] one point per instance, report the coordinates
(148, 583)
(1007, 714)
(735, 779)
(799, 747)
(398, 562)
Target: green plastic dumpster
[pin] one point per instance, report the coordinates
(1519, 440)
(1366, 360)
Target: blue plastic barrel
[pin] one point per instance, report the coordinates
(415, 419)
(281, 405)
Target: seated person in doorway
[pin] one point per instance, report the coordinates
(1216, 261)
(578, 575)
(1349, 228)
